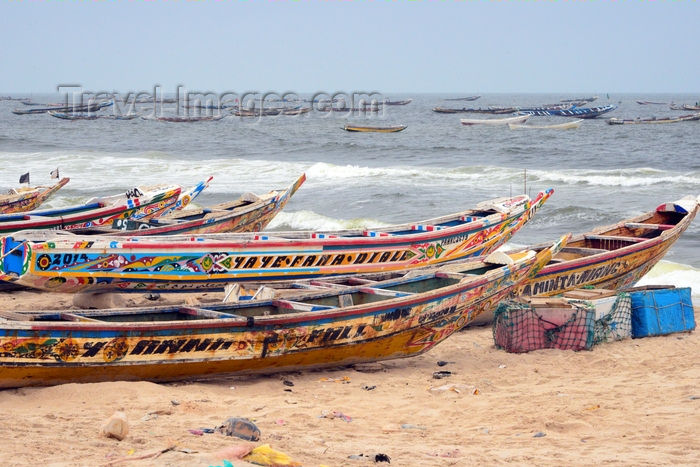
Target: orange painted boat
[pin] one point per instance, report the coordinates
(325, 324)
(28, 199)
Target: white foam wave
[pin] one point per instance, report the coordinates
(309, 220)
(675, 274)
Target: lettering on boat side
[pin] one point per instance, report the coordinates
(572, 280)
(212, 263)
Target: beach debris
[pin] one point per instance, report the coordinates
(235, 452)
(152, 296)
(152, 415)
(172, 446)
(410, 426)
(443, 363)
(241, 428)
(287, 383)
(344, 380)
(378, 457)
(116, 426)
(456, 388)
(335, 414)
(196, 432)
(693, 398)
(368, 388)
(594, 407)
(175, 402)
(265, 455)
(501, 366)
(281, 422)
(539, 434)
(441, 374)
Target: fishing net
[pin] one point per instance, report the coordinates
(519, 327)
(617, 323)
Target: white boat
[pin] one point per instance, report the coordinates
(559, 126)
(494, 121)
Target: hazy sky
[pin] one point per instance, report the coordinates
(399, 46)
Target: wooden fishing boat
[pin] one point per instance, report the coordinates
(71, 116)
(72, 263)
(494, 121)
(374, 129)
(403, 102)
(75, 109)
(98, 211)
(323, 324)
(485, 110)
(651, 103)
(187, 119)
(653, 120)
(613, 256)
(572, 125)
(578, 112)
(28, 199)
(468, 98)
(248, 213)
(581, 99)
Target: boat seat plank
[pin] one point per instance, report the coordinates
(209, 313)
(615, 238)
(300, 306)
(637, 225)
(345, 300)
(12, 316)
(385, 292)
(78, 318)
(450, 275)
(583, 250)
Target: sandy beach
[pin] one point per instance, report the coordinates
(631, 402)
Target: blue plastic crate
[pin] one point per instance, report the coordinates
(657, 312)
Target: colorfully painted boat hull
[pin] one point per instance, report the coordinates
(374, 129)
(621, 255)
(238, 216)
(597, 259)
(24, 201)
(362, 323)
(188, 263)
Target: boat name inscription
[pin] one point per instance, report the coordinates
(573, 279)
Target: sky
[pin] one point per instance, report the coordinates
(384, 46)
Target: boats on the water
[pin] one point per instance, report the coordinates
(572, 125)
(577, 112)
(651, 103)
(480, 110)
(74, 109)
(402, 102)
(73, 263)
(612, 256)
(28, 198)
(468, 98)
(248, 213)
(494, 121)
(653, 120)
(89, 116)
(581, 99)
(185, 119)
(323, 324)
(374, 129)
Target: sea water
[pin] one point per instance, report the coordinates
(600, 173)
